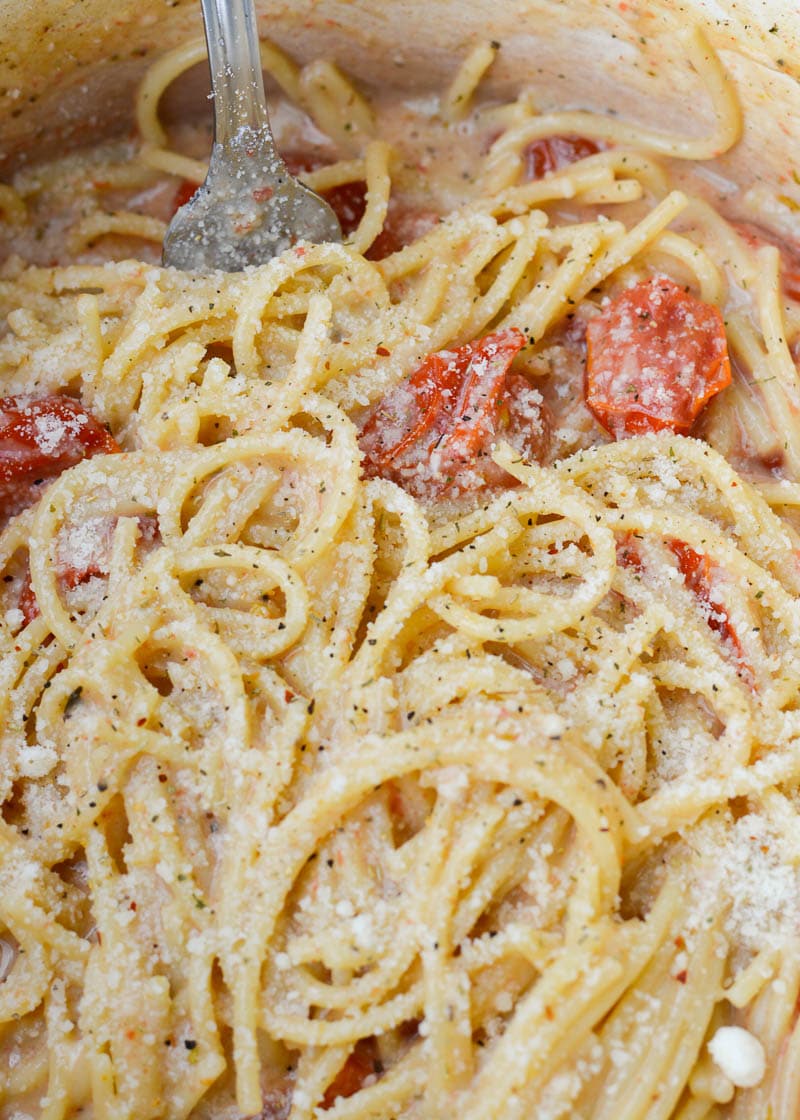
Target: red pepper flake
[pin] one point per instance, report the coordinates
(455, 404)
(263, 194)
(384, 353)
(681, 977)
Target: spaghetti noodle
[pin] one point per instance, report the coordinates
(381, 738)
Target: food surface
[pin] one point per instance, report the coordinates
(399, 642)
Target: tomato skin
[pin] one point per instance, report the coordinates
(348, 200)
(655, 357)
(27, 601)
(628, 555)
(433, 432)
(349, 203)
(94, 563)
(185, 192)
(554, 153)
(39, 438)
(697, 570)
(400, 228)
(361, 1063)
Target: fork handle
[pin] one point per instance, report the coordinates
(240, 104)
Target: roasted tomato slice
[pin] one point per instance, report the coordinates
(349, 202)
(697, 570)
(655, 357)
(78, 565)
(554, 153)
(39, 438)
(186, 191)
(433, 432)
(362, 1063)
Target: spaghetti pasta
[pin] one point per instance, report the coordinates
(379, 737)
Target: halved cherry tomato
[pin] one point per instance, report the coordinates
(185, 191)
(362, 1062)
(94, 561)
(628, 555)
(434, 431)
(27, 601)
(400, 228)
(554, 153)
(655, 357)
(349, 202)
(697, 570)
(39, 438)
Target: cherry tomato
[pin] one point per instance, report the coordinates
(185, 191)
(39, 438)
(434, 431)
(697, 570)
(361, 1063)
(655, 357)
(349, 202)
(93, 560)
(554, 153)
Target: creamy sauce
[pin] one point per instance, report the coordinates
(435, 171)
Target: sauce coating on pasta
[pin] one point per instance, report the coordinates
(399, 640)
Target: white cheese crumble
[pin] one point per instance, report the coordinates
(739, 1055)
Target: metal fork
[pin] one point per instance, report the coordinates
(249, 208)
